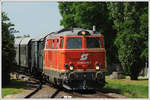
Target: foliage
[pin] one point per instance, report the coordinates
(131, 23)
(144, 33)
(123, 24)
(8, 50)
(87, 14)
(129, 52)
(129, 88)
(23, 36)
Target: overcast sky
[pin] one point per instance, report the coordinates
(33, 17)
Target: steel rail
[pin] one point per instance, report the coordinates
(33, 92)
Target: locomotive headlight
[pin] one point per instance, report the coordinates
(83, 32)
(97, 67)
(71, 68)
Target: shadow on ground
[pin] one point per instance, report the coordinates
(109, 90)
(21, 84)
(93, 91)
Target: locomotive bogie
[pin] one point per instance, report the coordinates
(74, 80)
(87, 80)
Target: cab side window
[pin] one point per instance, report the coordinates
(57, 44)
(61, 44)
(53, 44)
(50, 43)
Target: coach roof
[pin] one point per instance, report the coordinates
(25, 41)
(18, 40)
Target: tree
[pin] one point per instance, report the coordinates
(144, 33)
(123, 24)
(129, 53)
(23, 36)
(87, 14)
(8, 50)
(130, 21)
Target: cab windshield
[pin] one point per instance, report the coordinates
(74, 43)
(93, 42)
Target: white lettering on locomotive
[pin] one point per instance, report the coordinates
(83, 62)
(84, 57)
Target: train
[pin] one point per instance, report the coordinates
(73, 58)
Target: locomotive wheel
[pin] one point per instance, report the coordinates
(55, 83)
(58, 82)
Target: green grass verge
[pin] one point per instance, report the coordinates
(129, 88)
(14, 87)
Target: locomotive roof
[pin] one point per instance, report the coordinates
(26, 40)
(18, 40)
(72, 31)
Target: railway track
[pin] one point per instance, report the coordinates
(55, 93)
(88, 94)
(48, 91)
(31, 82)
(33, 92)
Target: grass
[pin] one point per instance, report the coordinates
(15, 86)
(129, 88)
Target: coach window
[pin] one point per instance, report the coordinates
(92, 42)
(74, 43)
(57, 44)
(53, 44)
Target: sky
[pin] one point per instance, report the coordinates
(33, 18)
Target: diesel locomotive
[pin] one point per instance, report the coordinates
(72, 58)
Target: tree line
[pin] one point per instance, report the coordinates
(123, 24)
(8, 49)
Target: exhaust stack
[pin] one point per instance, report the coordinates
(94, 28)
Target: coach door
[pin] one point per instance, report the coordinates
(33, 54)
(40, 56)
(29, 55)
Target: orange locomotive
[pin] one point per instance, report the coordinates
(75, 59)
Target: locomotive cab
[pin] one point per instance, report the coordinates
(84, 60)
(75, 61)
